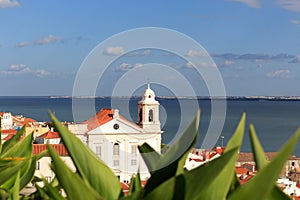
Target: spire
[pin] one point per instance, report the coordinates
(148, 84)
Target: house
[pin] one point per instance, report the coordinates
(43, 169)
(50, 137)
(115, 139)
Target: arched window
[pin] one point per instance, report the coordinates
(141, 114)
(116, 149)
(150, 115)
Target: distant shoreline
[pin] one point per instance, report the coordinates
(250, 98)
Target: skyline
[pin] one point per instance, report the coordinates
(254, 44)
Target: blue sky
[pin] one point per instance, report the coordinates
(255, 44)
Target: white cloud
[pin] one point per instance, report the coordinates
(228, 62)
(9, 3)
(127, 66)
(295, 21)
(24, 44)
(250, 3)
(281, 73)
(140, 53)
(114, 51)
(46, 40)
(194, 53)
(16, 69)
(22, 69)
(292, 5)
(41, 73)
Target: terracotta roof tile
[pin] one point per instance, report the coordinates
(59, 148)
(241, 170)
(50, 135)
(9, 131)
(248, 157)
(102, 117)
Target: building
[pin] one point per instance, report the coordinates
(115, 139)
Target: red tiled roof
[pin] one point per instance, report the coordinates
(241, 170)
(59, 148)
(50, 135)
(9, 131)
(10, 136)
(219, 150)
(248, 157)
(196, 159)
(102, 117)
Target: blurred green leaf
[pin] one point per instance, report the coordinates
(51, 191)
(20, 149)
(194, 184)
(149, 155)
(167, 166)
(226, 180)
(14, 192)
(261, 185)
(88, 165)
(261, 161)
(78, 189)
(27, 173)
(8, 174)
(12, 141)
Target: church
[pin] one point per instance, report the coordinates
(115, 139)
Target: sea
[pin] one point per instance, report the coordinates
(274, 120)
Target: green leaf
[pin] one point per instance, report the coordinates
(28, 174)
(20, 149)
(12, 141)
(14, 192)
(167, 166)
(51, 191)
(135, 184)
(149, 155)
(263, 182)
(227, 180)
(261, 162)
(8, 173)
(88, 165)
(194, 184)
(73, 185)
(258, 152)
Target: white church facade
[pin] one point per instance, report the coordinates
(115, 139)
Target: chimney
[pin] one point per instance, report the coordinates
(116, 114)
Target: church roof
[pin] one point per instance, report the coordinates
(102, 117)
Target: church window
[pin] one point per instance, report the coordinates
(141, 114)
(150, 115)
(98, 151)
(38, 166)
(133, 150)
(116, 163)
(133, 162)
(116, 149)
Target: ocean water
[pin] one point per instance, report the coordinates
(275, 121)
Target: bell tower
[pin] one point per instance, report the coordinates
(148, 111)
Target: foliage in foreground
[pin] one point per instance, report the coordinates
(213, 180)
